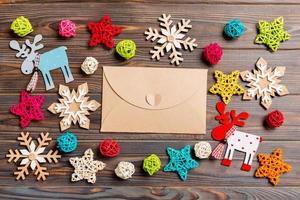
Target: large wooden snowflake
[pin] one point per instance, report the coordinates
(74, 107)
(32, 157)
(264, 83)
(171, 38)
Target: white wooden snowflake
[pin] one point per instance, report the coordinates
(74, 107)
(33, 156)
(264, 83)
(171, 38)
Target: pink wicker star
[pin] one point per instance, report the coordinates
(103, 32)
(29, 108)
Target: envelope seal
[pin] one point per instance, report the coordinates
(153, 99)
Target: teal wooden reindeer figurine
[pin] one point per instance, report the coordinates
(45, 62)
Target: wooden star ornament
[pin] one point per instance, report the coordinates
(264, 83)
(272, 166)
(86, 167)
(227, 85)
(32, 156)
(74, 107)
(28, 109)
(272, 33)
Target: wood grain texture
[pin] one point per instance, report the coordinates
(210, 180)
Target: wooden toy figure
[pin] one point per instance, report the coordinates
(45, 62)
(236, 140)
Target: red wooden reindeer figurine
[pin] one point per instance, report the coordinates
(236, 140)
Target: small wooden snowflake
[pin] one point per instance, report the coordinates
(171, 38)
(33, 156)
(86, 167)
(264, 83)
(74, 107)
(227, 85)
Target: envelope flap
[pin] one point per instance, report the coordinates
(155, 88)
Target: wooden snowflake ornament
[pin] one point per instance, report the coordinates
(264, 83)
(171, 38)
(86, 167)
(32, 157)
(74, 107)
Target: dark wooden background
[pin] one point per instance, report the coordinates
(210, 180)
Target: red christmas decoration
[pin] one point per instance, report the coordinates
(213, 53)
(274, 119)
(28, 109)
(109, 148)
(227, 121)
(103, 32)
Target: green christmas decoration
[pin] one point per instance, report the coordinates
(272, 33)
(151, 164)
(21, 26)
(126, 49)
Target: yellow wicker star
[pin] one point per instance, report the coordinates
(227, 85)
(272, 33)
(272, 166)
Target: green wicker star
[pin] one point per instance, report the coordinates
(180, 161)
(272, 33)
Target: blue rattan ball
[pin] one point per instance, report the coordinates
(67, 142)
(234, 28)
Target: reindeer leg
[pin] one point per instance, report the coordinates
(48, 80)
(67, 73)
(247, 162)
(227, 160)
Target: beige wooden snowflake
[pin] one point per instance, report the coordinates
(264, 83)
(33, 156)
(171, 38)
(86, 167)
(74, 107)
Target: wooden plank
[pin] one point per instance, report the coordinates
(254, 124)
(118, 2)
(207, 25)
(153, 193)
(210, 172)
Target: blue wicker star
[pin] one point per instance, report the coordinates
(180, 161)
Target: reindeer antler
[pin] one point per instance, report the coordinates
(33, 46)
(235, 120)
(227, 121)
(223, 118)
(22, 52)
(230, 117)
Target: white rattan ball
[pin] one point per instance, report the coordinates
(89, 65)
(202, 150)
(125, 170)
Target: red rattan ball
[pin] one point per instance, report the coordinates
(212, 53)
(109, 148)
(274, 119)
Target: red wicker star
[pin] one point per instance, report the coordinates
(29, 108)
(103, 32)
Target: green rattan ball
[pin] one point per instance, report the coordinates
(151, 164)
(21, 26)
(126, 49)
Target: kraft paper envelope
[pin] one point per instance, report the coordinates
(154, 100)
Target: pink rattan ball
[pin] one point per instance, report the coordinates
(67, 28)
